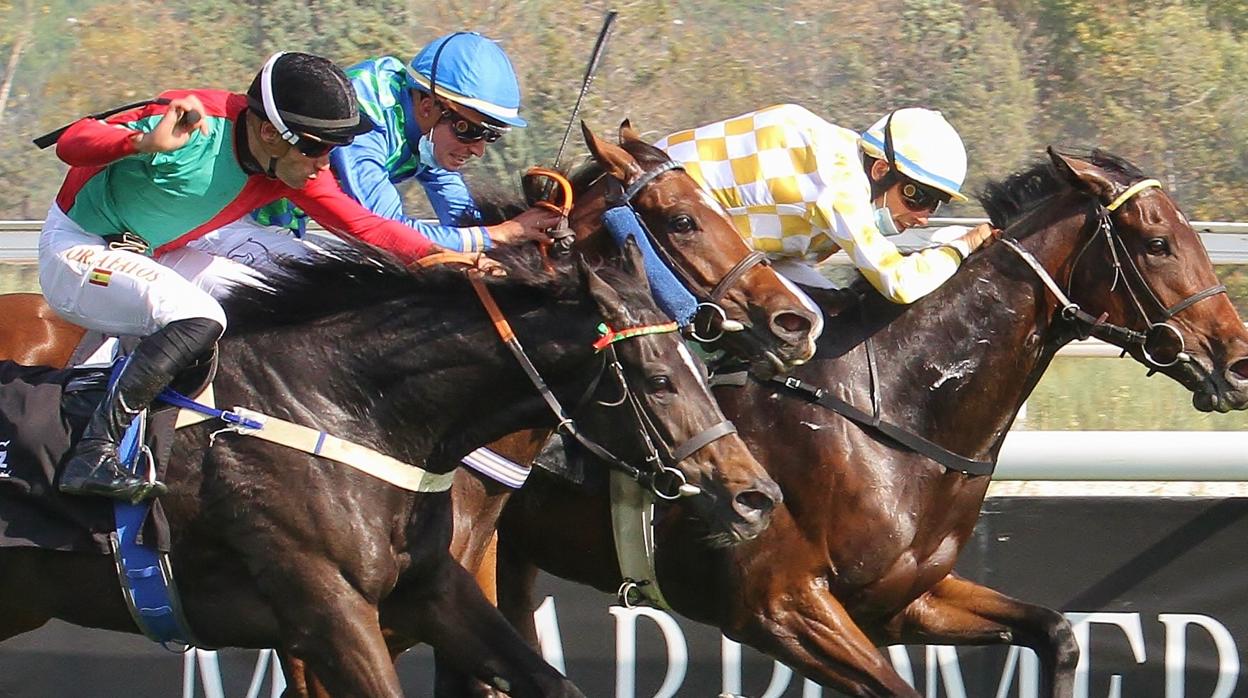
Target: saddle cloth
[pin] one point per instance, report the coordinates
(42, 413)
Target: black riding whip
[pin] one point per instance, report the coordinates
(594, 59)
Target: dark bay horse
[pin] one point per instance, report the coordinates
(695, 233)
(861, 552)
(275, 548)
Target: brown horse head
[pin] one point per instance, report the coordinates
(770, 321)
(1162, 284)
(1132, 271)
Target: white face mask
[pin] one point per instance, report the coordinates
(884, 219)
(424, 151)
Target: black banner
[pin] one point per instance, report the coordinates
(1157, 590)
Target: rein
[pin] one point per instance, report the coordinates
(663, 477)
(1156, 331)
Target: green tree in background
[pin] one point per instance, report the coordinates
(1158, 82)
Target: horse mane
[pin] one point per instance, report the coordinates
(497, 205)
(357, 276)
(1009, 199)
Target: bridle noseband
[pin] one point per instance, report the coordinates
(1118, 252)
(663, 475)
(711, 321)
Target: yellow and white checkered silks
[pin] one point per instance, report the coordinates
(796, 189)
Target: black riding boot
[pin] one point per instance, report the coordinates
(95, 467)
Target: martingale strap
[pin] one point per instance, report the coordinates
(910, 440)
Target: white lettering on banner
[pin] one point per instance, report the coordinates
(945, 659)
(1028, 673)
(781, 675)
(211, 680)
(626, 651)
(548, 636)
(1176, 653)
(4, 460)
(1082, 622)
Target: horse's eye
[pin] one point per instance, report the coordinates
(682, 224)
(1157, 246)
(660, 384)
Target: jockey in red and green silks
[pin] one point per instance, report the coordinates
(152, 177)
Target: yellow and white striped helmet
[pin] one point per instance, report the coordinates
(925, 148)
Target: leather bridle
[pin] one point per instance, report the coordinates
(1156, 331)
(661, 473)
(709, 321)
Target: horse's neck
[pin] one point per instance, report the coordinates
(959, 365)
(407, 385)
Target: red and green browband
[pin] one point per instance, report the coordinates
(610, 336)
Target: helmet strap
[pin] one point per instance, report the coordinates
(889, 156)
(271, 171)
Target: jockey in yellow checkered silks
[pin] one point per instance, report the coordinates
(800, 188)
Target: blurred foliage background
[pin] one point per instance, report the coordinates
(1160, 82)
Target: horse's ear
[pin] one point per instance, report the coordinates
(614, 160)
(607, 298)
(635, 262)
(1084, 176)
(627, 132)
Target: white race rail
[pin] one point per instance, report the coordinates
(1203, 456)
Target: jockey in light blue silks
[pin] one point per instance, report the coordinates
(433, 116)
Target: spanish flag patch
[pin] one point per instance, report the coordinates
(99, 277)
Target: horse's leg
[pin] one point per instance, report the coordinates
(327, 623)
(477, 503)
(469, 634)
(959, 612)
(794, 619)
(517, 584)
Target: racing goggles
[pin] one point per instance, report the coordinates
(467, 131)
(314, 147)
(920, 197)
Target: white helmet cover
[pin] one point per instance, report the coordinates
(925, 148)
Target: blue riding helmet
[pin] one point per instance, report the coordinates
(473, 71)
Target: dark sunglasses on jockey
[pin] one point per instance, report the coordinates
(314, 147)
(468, 131)
(920, 197)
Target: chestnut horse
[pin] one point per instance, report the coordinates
(862, 550)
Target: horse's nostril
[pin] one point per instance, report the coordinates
(1240, 368)
(756, 501)
(791, 322)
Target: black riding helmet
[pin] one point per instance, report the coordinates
(302, 94)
